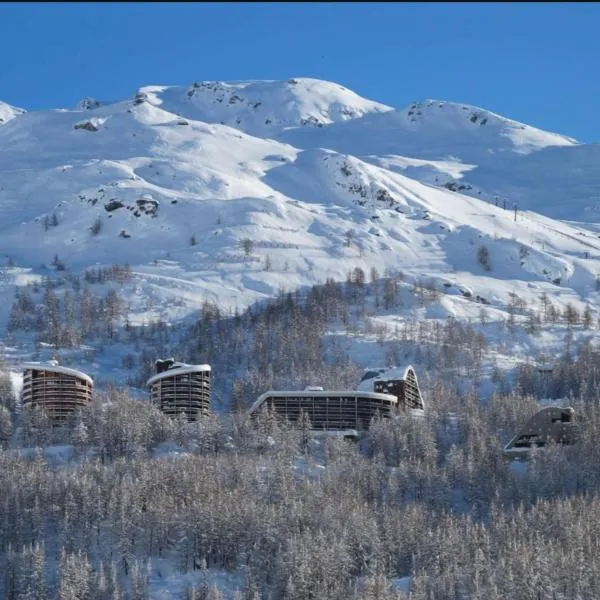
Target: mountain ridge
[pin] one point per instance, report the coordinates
(8, 112)
(205, 208)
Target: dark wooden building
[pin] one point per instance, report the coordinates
(328, 410)
(380, 392)
(58, 390)
(401, 382)
(179, 388)
(551, 424)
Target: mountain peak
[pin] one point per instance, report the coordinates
(431, 130)
(8, 112)
(88, 103)
(466, 118)
(263, 107)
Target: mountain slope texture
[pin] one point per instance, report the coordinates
(233, 191)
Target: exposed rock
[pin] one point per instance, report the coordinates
(146, 205)
(477, 116)
(384, 196)
(345, 169)
(140, 97)
(89, 104)
(87, 125)
(311, 121)
(358, 188)
(454, 186)
(113, 205)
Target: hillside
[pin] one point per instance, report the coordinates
(291, 233)
(8, 112)
(206, 201)
(263, 108)
(434, 130)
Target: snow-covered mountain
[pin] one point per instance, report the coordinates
(233, 191)
(263, 108)
(8, 112)
(434, 130)
(475, 151)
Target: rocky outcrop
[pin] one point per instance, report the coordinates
(89, 104)
(87, 125)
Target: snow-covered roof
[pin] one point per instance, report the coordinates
(178, 368)
(53, 367)
(321, 394)
(383, 374)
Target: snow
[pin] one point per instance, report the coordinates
(53, 367)
(431, 129)
(55, 456)
(170, 450)
(332, 182)
(17, 382)
(166, 583)
(179, 369)
(560, 181)
(263, 108)
(401, 584)
(8, 112)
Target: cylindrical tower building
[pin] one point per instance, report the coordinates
(58, 390)
(180, 388)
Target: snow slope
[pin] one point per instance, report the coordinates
(8, 112)
(431, 129)
(206, 200)
(263, 108)
(561, 181)
(489, 156)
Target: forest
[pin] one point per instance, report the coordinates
(419, 508)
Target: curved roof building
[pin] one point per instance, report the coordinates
(551, 424)
(58, 390)
(179, 388)
(328, 410)
(380, 392)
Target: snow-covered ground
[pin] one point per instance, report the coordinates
(230, 192)
(8, 112)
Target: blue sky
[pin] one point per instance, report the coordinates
(534, 62)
